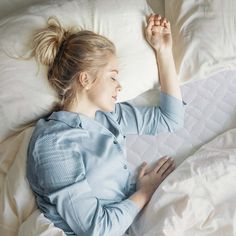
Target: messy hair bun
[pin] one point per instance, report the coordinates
(47, 41)
(68, 52)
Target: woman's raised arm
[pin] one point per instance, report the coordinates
(158, 35)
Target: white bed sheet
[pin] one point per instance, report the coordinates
(198, 198)
(211, 110)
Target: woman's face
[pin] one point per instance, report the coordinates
(104, 90)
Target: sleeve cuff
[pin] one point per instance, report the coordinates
(133, 209)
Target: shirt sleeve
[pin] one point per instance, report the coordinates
(167, 117)
(63, 180)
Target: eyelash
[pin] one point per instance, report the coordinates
(113, 78)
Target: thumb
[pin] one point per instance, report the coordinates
(142, 169)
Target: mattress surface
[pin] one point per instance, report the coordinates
(211, 110)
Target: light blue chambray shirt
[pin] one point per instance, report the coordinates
(77, 166)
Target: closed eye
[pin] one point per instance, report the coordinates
(113, 78)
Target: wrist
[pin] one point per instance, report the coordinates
(140, 197)
(166, 52)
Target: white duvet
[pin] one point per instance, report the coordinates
(198, 198)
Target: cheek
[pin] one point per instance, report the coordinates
(103, 91)
(99, 94)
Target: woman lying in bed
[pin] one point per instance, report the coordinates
(77, 165)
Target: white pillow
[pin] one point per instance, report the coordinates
(204, 36)
(25, 92)
(158, 6)
(6, 6)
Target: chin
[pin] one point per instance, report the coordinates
(110, 109)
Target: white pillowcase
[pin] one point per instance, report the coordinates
(25, 92)
(6, 6)
(158, 6)
(204, 36)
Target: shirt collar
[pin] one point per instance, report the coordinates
(70, 118)
(78, 120)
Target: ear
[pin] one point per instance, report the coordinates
(84, 79)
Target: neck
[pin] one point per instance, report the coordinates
(83, 107)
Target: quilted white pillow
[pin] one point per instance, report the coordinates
(204, 36)
(25, 93)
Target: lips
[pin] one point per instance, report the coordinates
(115, 97)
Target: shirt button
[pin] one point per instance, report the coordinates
(125, 167)
(115, 142)
(124, 136)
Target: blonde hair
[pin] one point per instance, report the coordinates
(67, 53)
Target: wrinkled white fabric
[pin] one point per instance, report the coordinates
(198, 198)
(38, 225)
(16, 198)
(204, 35)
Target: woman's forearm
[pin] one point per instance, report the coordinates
(140, 198)
(167, 73)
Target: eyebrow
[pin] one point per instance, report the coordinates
(115, 71)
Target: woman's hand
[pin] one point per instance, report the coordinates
(158, 33)
(148, 181)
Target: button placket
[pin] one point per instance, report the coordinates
(119, 147)
(115, 142)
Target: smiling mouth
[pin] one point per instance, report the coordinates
(115, 98)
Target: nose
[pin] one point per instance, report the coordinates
(119, 87)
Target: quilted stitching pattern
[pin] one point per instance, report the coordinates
(211, 110)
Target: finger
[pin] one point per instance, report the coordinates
(151, 17)
(157, 22)
(168, 171)
(168, 25)
(149, 27)
(163, 21)
(142, 170)
(152, 14)
(157, 17)
(165, 166)
(160, 162)
(157, 29)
